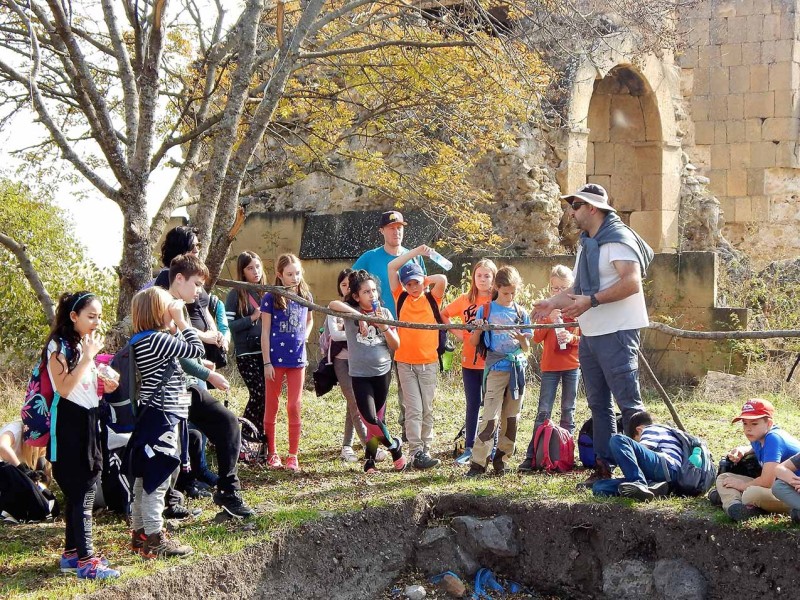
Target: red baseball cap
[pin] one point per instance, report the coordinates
(756, 408)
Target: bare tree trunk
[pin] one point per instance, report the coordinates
(227, 205)
(20, 252)
(137, 257)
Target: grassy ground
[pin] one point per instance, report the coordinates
(29, 553)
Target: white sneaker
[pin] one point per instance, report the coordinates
(348, 455)
(381, 455)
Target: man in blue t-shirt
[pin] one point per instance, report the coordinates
(376, 261)
(745, 497)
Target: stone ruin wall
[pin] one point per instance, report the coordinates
(717, 155)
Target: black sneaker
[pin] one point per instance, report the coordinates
(526, 466)
(795, 514)
(179, 511)
(232, 503)
(423, 460)
(636, 491)
(195, 491)
(742, 512)
(660, 490)
(713, 497)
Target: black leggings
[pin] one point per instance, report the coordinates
(370, 393)
(251, 368)
(79, 490)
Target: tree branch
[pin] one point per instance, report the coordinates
(21, 254)
(403, 43)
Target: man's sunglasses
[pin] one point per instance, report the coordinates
(576, 204)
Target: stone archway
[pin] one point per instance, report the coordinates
(623, 136)
(624, 146)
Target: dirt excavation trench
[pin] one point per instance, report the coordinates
(568, 551)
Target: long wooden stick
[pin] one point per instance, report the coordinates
(662, 392)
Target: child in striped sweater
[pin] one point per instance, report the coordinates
(162, 335)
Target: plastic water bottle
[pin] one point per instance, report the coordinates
(375, 306)
(440, 260)
(558, 329)
(696, 457)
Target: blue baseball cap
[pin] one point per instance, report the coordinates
(411, 271)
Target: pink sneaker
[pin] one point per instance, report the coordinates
(274, 461)
(400, 463)
(292, 464)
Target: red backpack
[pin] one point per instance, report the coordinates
(553, 448)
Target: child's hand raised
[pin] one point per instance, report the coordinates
(91, 344)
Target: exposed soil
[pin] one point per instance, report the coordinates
(565, 547)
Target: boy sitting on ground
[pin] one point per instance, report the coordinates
(787, 485)
(744, 497)
(643, 455)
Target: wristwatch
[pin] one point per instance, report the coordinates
(593, 300)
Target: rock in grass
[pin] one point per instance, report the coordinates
(678, 580)
(414, 592)
(453, 586)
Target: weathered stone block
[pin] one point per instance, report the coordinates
(725, 10)
(697, 33)
(754, 27)
(728, 208)
(762, 154)
(786, 104)
(752, 130)
(787, 155)
(781, 181)
(720, 132)
(737, 30)
(760, 104)
(720, 157)
(779, 129)
(720, 78)
(708, 56)
(438, 551)
(751, 53)
(700, 106)
(700, 156)
(739, 79)
(782, 76)
(771, 29)
(604, 158)
(744, 210)
(626, 189)
(687, 82)
(735, 108)
(735, 131)
(777, 51)
(730, 55)
(719, 182)
(759, 78)
(718, 107)
(658, 228)
(737, 182)
(687, 58)
(740, 155)
(755, 182)
(788, 26)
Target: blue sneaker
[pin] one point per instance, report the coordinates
(465, 458)
(95, 569)
(69, 564)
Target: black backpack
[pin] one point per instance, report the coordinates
(443, 346)
(483, 343)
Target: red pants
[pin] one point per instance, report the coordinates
(294, 384)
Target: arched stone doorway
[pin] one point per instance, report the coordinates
(623, 137)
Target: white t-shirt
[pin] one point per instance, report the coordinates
(628, 313)
(85, 393)
(15, 429)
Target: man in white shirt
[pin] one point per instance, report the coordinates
(608, 301)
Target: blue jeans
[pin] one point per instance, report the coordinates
(786, 494)
(610, 365)
(547, 396)
(638, 463)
